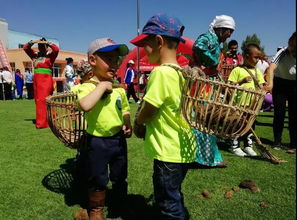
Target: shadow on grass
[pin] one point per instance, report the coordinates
(67, 182)
(261, 115)
(269, 124)
(224, 145)
(33, 120)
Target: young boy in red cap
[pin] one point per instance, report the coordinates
(167, 138)
(108, 118)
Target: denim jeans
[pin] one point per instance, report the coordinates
(167, 180)
(106, 159)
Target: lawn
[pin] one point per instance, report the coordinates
(37, 182)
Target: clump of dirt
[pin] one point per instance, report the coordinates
(205, 194)
(264, 204)
(229, 194)
(291, 151)
(200, 196)
(235, 188)
(249, 184)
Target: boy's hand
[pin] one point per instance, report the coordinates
(268, 87)
(246, 80)
(127, 128)
(107, 86)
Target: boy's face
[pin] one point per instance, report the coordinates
(104, 64)
(253, 57)
(151, 48)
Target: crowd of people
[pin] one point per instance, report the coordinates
(168, 138)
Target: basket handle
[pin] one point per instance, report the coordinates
(254, 77)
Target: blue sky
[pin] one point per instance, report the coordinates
(76, 23)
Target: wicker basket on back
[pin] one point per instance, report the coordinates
(65, 120)
(222, 109)
(219, 108)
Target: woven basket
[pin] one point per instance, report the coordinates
(214, 107)
(65, 120)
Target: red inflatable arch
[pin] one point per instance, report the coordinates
(144, 65)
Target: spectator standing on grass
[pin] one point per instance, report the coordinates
(282, 80)
(69, 75)
(263, 64)
(19, 83)
(142, 81)
(1, 84)
(84, 71)
(167, 138)
(7, 83)
(29, 83)
(43, 61)
(129, 80)
(230, 60)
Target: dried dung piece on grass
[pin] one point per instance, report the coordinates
(291, 151)
(235, 188)
(200, 196)
(229, 194)
(249, 184)
(206, 194)
(264, 204)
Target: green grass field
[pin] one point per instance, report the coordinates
(36, 179)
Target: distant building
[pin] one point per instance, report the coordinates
(14, 41)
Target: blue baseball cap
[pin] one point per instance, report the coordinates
(161, 24)
(106, 45)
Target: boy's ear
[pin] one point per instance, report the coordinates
(160, 40)
(92, 60)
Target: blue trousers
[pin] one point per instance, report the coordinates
(167, 180)
(106, 158)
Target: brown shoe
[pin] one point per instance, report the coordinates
(96, 205)
(81, 214)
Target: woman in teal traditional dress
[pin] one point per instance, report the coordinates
(206, 53)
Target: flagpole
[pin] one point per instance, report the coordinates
(138, 55)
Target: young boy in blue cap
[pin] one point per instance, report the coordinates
(167, 138)
(108, 118)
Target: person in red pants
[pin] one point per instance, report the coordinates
(43, 61)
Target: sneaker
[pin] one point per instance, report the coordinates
(249, 151)
(237, 151)
(277, 146)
